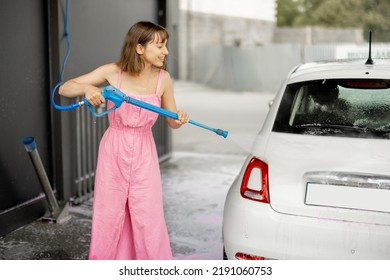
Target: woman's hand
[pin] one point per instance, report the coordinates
(94, 95)
(182, 117)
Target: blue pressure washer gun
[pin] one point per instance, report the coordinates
(117, 97)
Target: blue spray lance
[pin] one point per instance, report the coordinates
(117, 97)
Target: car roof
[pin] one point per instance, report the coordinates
(341, 69)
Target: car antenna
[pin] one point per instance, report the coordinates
(369, 60)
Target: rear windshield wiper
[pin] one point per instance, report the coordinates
(364, 129)
(330, 125)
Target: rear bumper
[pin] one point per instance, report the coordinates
(255, 228)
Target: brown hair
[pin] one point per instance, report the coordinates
(142, 33)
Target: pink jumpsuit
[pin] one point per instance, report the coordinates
(128, 219)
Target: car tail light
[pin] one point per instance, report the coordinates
(244, 256)
(254, 184)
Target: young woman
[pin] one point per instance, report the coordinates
(128, 220)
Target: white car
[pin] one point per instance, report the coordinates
(317, 182)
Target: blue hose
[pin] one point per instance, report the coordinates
(66, 35)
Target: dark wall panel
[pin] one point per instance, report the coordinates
(24, 106)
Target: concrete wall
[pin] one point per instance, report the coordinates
(317, 35)
(264, 68)
(259, 68)
(240, 53)
(198, 29)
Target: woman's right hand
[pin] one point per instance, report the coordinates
(94, 96)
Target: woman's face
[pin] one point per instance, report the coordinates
(155, 52)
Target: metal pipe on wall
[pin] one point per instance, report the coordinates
(31, 148)
(58, 212)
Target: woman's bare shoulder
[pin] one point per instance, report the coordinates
(109, 72)
(167, 77)
(109, 68)
(167, 84)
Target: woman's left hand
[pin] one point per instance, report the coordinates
(182, 117)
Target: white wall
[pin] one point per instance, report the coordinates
(254, 9)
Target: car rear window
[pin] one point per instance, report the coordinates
(343, 107)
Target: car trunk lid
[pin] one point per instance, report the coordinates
(329, 177)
